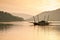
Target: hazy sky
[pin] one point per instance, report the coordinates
(31, 7)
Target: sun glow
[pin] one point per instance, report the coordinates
(49, 5)
(31, 7)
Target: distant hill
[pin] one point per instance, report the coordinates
(25, 16)
(53, 15)
(6, 17)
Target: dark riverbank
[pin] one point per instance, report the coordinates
(5, 26)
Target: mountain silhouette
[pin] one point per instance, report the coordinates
(25, 16)
(53, 15)
(6, 17)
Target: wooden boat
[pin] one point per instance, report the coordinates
(41, 23)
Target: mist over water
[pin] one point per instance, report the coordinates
(27, 31)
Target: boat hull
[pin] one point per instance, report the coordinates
(41, 23)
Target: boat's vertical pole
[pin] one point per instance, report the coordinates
(44, 18)
(38, 17)
(48, 18)
(34, 19)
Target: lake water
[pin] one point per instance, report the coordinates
(27, 31)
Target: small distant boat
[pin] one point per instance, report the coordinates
(41, 23)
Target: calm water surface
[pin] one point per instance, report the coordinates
(26, 31)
